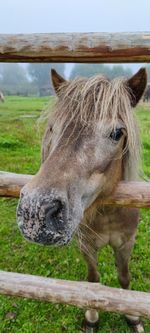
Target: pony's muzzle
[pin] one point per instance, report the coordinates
(43, 218)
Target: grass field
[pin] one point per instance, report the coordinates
(20, 152)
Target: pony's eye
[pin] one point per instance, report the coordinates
(116, 134)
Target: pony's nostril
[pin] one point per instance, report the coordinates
(54, 211)
(21, 194)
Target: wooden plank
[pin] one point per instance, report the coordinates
(129, 194)
(76, 47)
(12, 183)
(81, 294)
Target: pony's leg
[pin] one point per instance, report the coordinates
(91, 320)
(91, 261)
(122, 256)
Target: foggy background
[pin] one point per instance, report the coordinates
(66, 16)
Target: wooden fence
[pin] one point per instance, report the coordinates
(81, 294)
(89, 48)
(129, 194)
(76, 47)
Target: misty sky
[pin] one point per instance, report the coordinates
(30, 16)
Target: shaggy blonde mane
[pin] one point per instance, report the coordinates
(91, 102)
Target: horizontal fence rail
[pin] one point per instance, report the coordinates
(76, 47)
(80, 294)
(130, 194)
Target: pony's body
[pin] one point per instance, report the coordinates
(146, 95)
(108, 226)
(91, 143)
(2, 99)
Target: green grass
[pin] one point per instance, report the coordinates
(20, 152)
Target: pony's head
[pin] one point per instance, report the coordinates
(90, 144)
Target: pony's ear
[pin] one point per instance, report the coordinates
(57, 80)
(137, 84)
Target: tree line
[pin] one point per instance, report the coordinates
(34, 79)
(31, 79)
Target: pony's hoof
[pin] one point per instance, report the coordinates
(91, 321)
(89, 327)
(136, 326)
